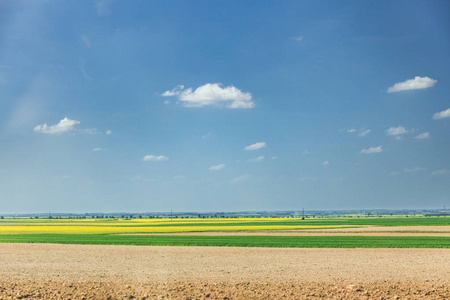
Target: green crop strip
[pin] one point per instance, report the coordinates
(235, 241)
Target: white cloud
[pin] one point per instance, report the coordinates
(325, 163)
(396, 130)
(256, 146)
(179, 177)
(440, 172)
(212, 94)
(174, 92)
(97, 149)
(297, 38)
(63, 126)
(155, 158)
(82, 67)
(394, 173)
(108, 132)
(371, 150)
(308, 179)
(361, 132)
(240, 179)
(86, 41)
(206, 136)
(412, 84)
(91, 131)
(102, 7)
(364, 132)
(257, 159)
(217, 168)
(306, 152)
(413, 170)
(442, 114)
(274, 157)
(423, 136)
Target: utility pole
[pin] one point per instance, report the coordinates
(303, 209)
(171, 215)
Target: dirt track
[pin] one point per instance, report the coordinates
(119, 272)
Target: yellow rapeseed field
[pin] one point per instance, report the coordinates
(93, 226)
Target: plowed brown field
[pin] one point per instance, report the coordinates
(126, 272)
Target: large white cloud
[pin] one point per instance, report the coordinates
(63, 126)
(396, 130)
(412, 84)
(256, 146)
(442, 114)
(155, 158)
(371, 150)
(212, 94)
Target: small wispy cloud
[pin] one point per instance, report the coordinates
(240, 179)
(65, 125)
(440, 172)
(155, 158)
(108, 132)
(97, 149)
(412, 84)
(442, 114)
(257, 159)
(90, 131)
(363, 133)
(325, 163)
(393, 131)
(103, 7)
(308, 178)
(306, 152)
(298, 38)
(86, 41)
(413, 170)
(217, 167)
(206, 136)
(372, 150)
(255, 146)
(423, 136)
(212, 94)
(82, 67)
(174, 92)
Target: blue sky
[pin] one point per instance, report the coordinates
(223, 105)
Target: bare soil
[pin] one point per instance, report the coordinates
(49, 271)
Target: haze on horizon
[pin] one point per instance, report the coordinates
(223, 106)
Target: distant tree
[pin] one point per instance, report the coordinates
(2, 217)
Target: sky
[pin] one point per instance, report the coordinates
(108, 106)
